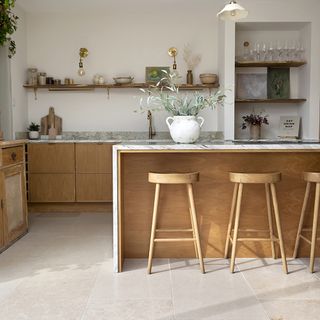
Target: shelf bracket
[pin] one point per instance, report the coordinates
(108, 93)
(35, 93)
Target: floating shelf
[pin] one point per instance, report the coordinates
(90, 87)
(270, 100)
(270, 64)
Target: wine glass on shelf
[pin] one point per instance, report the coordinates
(256, 51)
(271, 52)
(279, 51)
(263, 55)
(300, 52)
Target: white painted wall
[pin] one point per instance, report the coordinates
(120, 43)
(126, 36)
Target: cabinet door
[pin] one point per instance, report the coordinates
(51, 158)
(94, 187)
(51, 187)
(14, 203)
(93, 158)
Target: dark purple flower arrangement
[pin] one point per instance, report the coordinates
(254, 120)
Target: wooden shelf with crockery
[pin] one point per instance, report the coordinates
(270, 64)
(90, 87)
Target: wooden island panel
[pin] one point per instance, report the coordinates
(213, 196)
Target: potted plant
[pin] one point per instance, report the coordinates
(183, 123)
(34, 131)
(8, 25)
(254, 121)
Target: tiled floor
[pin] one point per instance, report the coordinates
(62, 270)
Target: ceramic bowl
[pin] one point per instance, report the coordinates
(123, 80)
(208, 78)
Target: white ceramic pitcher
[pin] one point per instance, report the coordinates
(185, 129)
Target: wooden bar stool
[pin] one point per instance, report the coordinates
(310, 177)
(269, 180)
(175, 178)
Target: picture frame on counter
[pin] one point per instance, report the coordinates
(289, 127)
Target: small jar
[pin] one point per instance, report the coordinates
(49, 80)
(42, 78)
(33, 76)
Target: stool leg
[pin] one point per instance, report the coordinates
(153, 227)
(193, 235)
(278, 224)
(303, 213)
(233, 206)
(270, 220)
(236, 228)
(314, 227)
(195, 225)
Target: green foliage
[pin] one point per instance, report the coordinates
(8, 25)
(33, 127)
(165, 95)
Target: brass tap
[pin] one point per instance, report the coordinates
(152, 132)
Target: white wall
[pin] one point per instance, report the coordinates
(120, 42)
(126, 37)
(18, 67)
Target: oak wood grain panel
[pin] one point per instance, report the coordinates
(53, 187)
(15, 203)
(12, 155)
(51, 158)
(71, 207)
(93, 187)
(213, 195)
(93, 158)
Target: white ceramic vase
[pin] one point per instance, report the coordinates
(34, 135)
(185, 129)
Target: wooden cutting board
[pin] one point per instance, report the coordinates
(51, 121)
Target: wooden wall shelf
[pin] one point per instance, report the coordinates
(90, 87)
(270, 100)
(270, 64)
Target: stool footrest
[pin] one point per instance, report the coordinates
(173, 239)
(253, 230)
(306, 239)
(256, 239)
(174, 230)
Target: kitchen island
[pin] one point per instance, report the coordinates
(133, 195)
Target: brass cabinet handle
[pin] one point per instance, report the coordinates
(13, 156)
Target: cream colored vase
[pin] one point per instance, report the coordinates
(255, 132)
(185, 129)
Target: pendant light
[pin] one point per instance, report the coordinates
(232, 11)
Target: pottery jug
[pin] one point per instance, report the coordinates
(184, 129)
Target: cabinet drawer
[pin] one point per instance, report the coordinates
(51, 158)
(12, 155)
(51, 187)
(93, 158)
(93, 187)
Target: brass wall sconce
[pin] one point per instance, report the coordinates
(173, 52)
(83, 53)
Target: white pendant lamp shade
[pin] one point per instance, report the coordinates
(232, 11)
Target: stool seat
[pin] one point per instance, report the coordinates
(173, 178)
(242, 177)
(311, 176)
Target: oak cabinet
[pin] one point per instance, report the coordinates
(93, 158)
(93, 172)
(51, 187)
(51, 158)
(13, 202)
(70, 172)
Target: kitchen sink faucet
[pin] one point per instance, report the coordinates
(152, 132)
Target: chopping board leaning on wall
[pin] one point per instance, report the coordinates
(51, 124)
